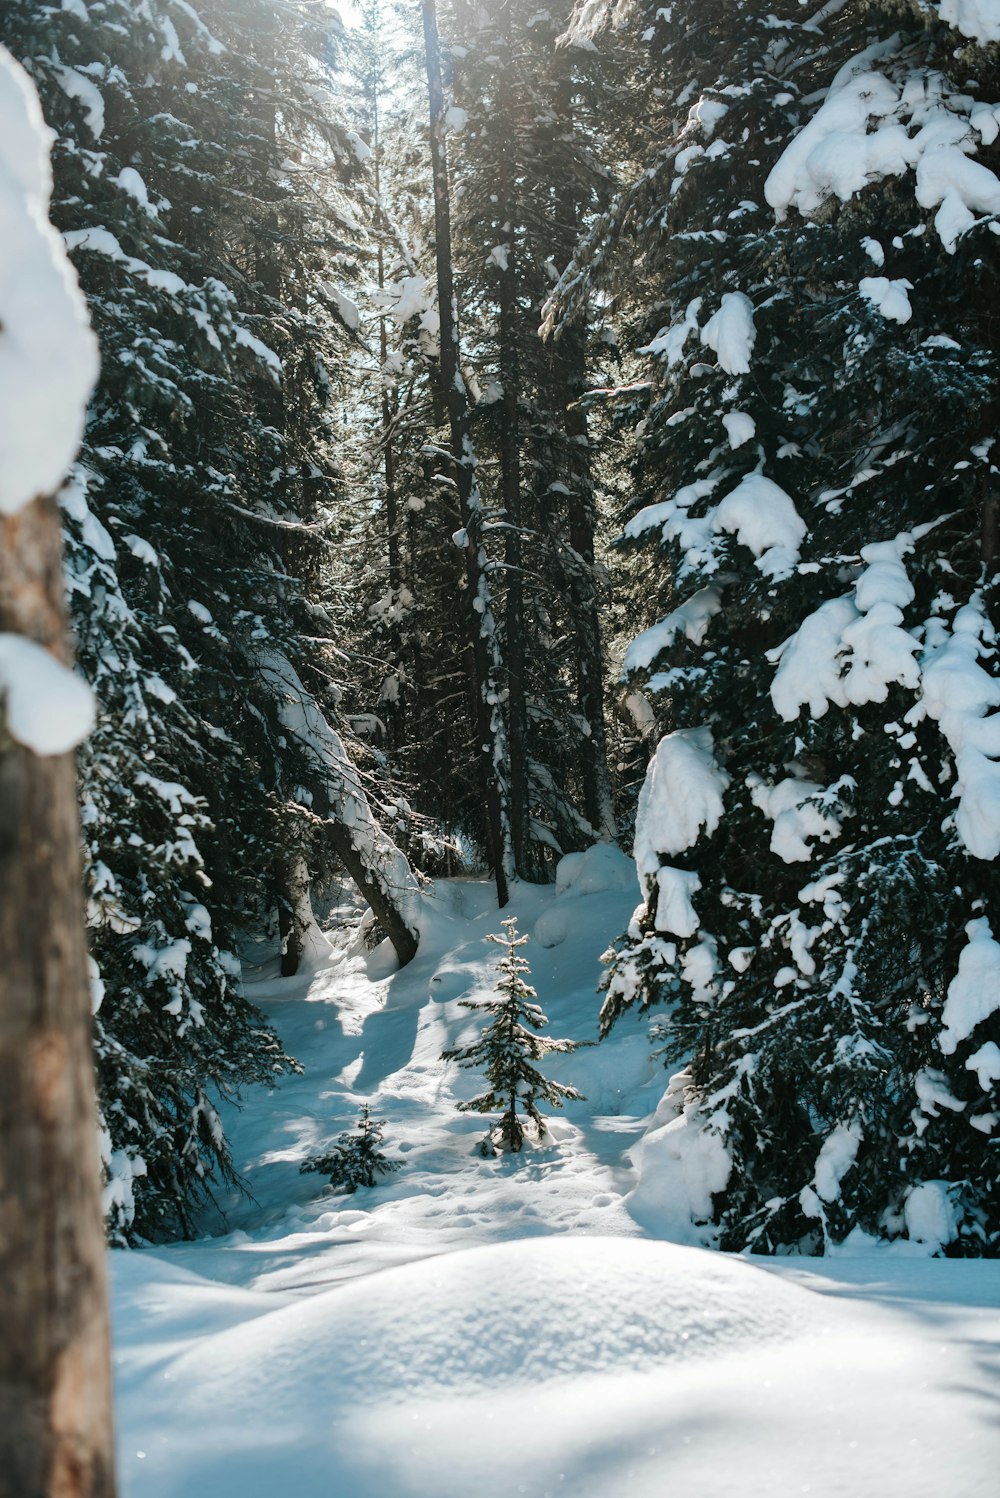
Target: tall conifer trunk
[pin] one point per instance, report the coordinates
(598, 805)
(570, 363)
(491, 729)
(510, 472)
(55, 1382)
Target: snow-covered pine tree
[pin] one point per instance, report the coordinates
(526, 152)
(356, 1159)
(818, 829)
(491, 728)
(508, 1047)
(191, 523)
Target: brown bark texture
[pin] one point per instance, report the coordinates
(55, 1381)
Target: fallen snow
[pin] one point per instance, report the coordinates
(518, 1325)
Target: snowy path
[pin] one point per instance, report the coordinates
(506, 1326)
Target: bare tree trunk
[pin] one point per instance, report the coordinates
(55, 1381)
(491, 730)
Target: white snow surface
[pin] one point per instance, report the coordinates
(48, 354)
(520, 1325)
(961, 696)
(851, 649)
(691, 618)
(977, 19)
(974, 992)
(681, 797)
(730, 332)
(888, 297)
(740, 427)
(877, 124)
(763, 518)
(792, 807)
(48, 708)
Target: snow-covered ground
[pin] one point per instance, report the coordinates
(520, 1325)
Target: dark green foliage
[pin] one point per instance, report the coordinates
(192, 526)
(507, 1048)
(809, 989)
(356, 1159)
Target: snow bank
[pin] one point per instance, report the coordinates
(598, 869)
(680, 1162)
(929, 1214)
(48, 355)
(481, 1319)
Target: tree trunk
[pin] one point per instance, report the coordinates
(490, 727)
(598, 804)
(55, 1381)
(510, 481)
(387, 914)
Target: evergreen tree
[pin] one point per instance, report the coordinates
(814, 502)
(194, 524)
(528, 165)
(356, 1159)
(507, 1048)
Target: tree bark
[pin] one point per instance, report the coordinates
(55, 1381)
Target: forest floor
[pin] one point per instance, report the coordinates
(481, 1328)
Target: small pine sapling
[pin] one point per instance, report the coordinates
(506, 1049)
(356, 1159)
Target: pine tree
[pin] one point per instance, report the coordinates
(813, 503)
(356, 1159)
(507, 1048)
(526, 162)
(195, 527)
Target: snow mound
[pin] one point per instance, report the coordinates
(522, 1312)
(600, 868)
(680, 1164)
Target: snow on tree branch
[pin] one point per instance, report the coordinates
(48, 354)
(48, 365)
